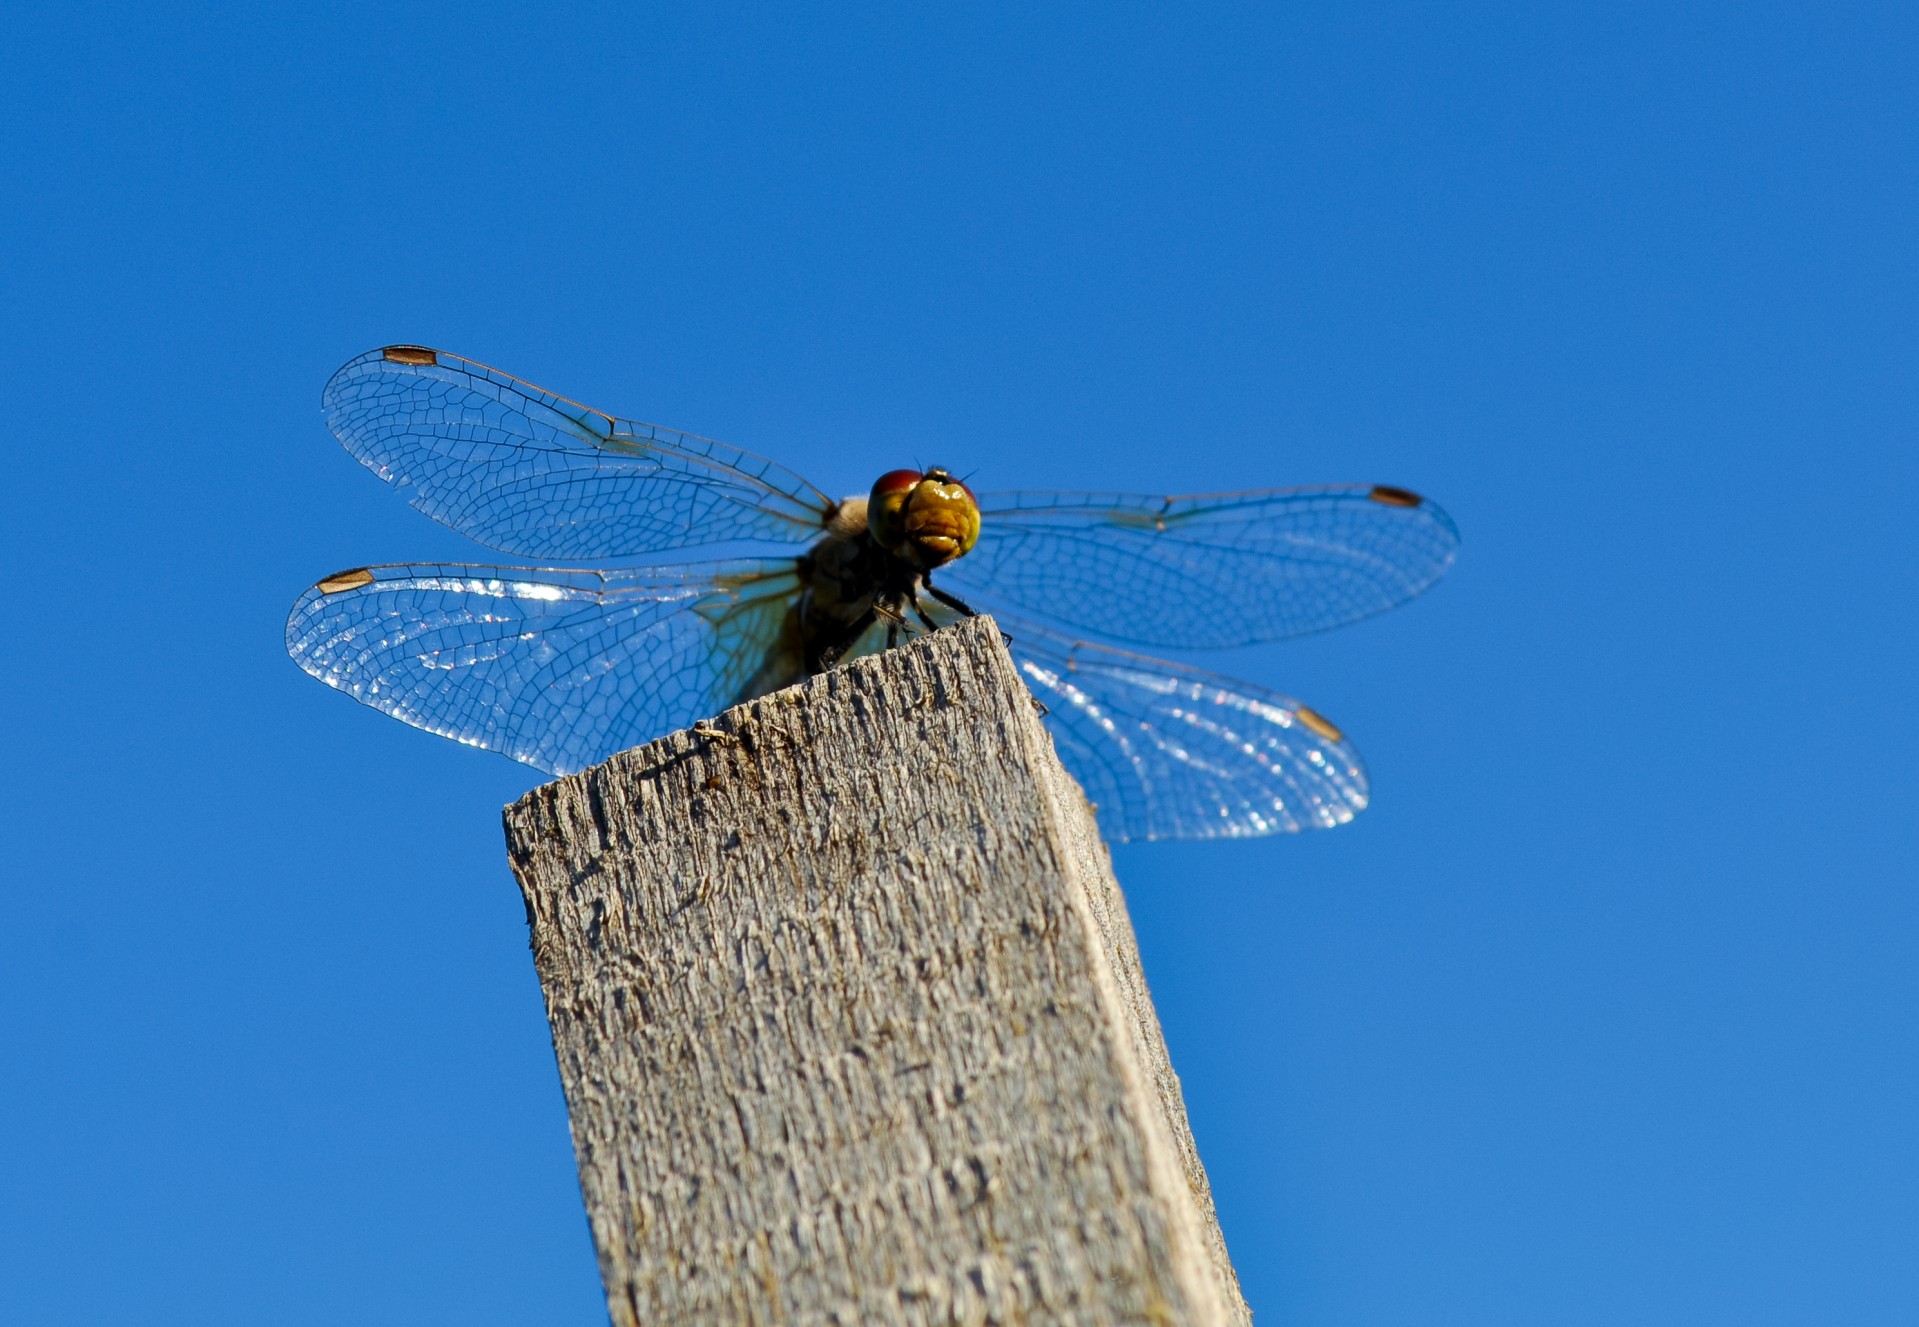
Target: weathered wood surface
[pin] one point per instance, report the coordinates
(850, 1019)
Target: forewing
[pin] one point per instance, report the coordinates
(1205, 572)
(559, 669)
(534, 474)
(1169, 752)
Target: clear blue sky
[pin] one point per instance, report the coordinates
(1605, 1013)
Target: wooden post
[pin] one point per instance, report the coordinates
(850, 1018)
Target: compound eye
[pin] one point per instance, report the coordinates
(895, 484)
(885, 508)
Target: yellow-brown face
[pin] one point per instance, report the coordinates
(928, 519)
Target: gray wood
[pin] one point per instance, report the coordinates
(851, 1023)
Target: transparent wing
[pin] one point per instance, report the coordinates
(1205, 572)
(1170, 752)
(560, 669)
(531, 473)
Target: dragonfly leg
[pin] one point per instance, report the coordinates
(951, 601)
(956, 603)
(895, 617)
(919, 610)
(828, 654)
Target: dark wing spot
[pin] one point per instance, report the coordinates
(345, 580)
(1395, 497)
(1325, 727)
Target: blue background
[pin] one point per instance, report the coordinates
(1604, 1013)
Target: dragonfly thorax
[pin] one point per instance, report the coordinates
(850, 583)
(927, 519)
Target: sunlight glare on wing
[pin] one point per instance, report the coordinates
(557, 668)
(1167, 751)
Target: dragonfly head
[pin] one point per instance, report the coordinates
(928, 519)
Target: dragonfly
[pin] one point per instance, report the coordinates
(563, 665)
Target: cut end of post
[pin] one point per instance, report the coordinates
(850, 1019)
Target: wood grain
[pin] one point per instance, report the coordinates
(851, 1023)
